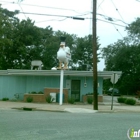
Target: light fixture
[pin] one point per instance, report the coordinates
(85, 83)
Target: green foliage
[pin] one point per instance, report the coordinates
(29, 99)
(5, 99)
(121, 99)
(33, 92)
(124, 55)
(89, 100)
(40, 92)
(129, 65)
(134, 31)
(49, 99)
(22, 41)
(89, 93)
(130, 101)
(83, 53)
(71, 100)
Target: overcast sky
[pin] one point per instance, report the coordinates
(58, 13)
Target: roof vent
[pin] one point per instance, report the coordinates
(36, 65)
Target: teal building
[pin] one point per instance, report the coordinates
(78, 83)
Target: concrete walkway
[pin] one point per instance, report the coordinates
(104, 107)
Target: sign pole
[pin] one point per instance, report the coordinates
(113, 92)
(61, 86)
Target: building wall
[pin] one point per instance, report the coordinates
(89, 85)
(10, 85)
(38, 83)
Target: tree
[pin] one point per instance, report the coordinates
(133, 31)
(22, 41)
(125, 56)
(7, 25)
(83, 54)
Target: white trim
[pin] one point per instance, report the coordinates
(103, 74)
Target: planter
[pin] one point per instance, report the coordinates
(36, 97)
(41, 98)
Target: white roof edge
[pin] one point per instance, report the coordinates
(3, 72)
(104, 74)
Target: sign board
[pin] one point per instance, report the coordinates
(114, 78)
(68, 84)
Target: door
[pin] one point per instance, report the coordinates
(75, 89)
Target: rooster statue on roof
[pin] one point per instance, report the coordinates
(63, 54)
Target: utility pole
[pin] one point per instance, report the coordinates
(95, 80)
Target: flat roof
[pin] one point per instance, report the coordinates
(103, 74)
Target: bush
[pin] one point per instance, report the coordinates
(5, 99)
(130, 101)
(49, 99)
(40, 92)
(121, 100)
(33, 92)
(71, 100)
(29, 99)
(89, 100)
(89, 93)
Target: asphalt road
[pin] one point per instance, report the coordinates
(42, 125)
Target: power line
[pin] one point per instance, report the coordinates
(19, 1)
(69, 17)
(117, 9)
(100, 4)
(52, 20)
(73, 17)
(33, 5)
(107, 17)
(112, 19)
(118, 31)
(111, 22)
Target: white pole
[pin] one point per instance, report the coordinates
(61, 86)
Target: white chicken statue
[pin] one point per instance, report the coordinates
(63, 55)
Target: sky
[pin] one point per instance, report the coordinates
(58, 13)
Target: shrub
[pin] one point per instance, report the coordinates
(33, 92)
(89, 93)
(40, 92)
(130, 101)
(29, 99)
(49, 99)
(5, 99)
(121, 99)
(89, 100)
(71, 100)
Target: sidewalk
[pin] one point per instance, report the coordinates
(104, 107)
